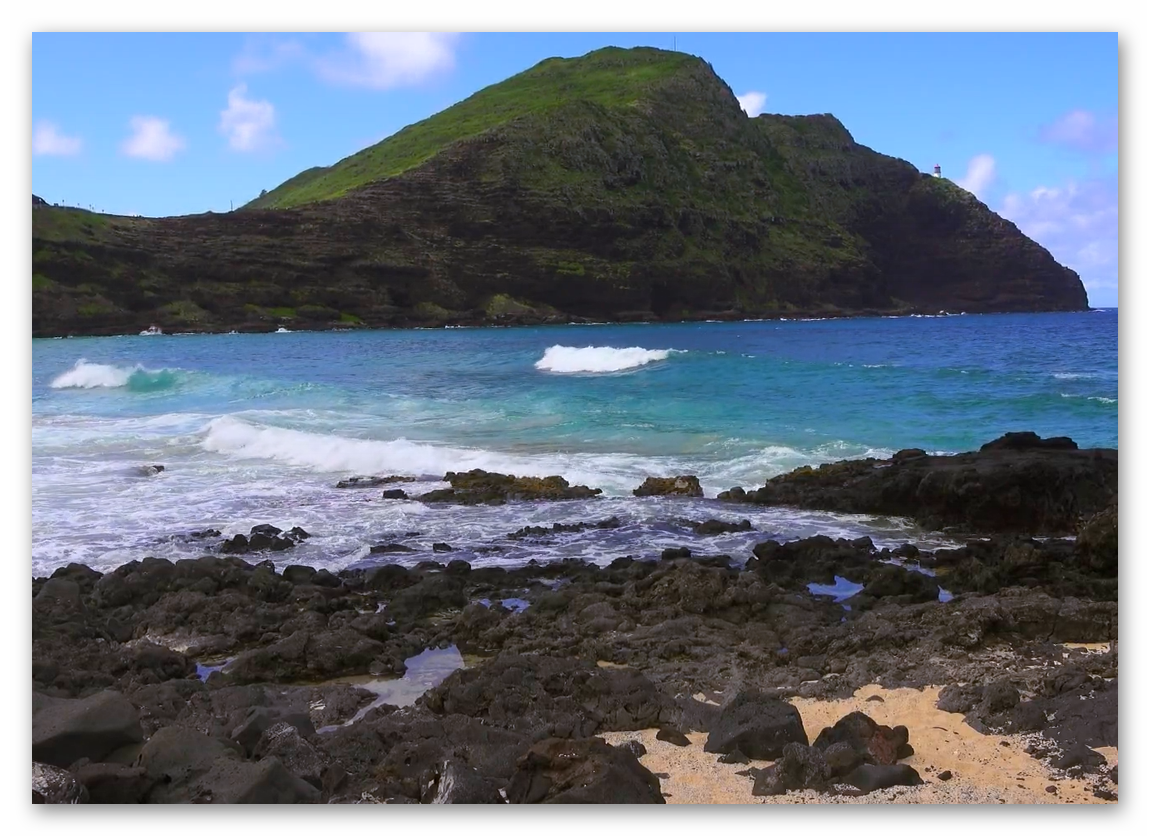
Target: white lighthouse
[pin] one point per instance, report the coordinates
(937, 170)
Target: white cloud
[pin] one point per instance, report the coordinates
(249, 124)
(1084, 131)
(48, 141)
(262, 54)
(753, 102)
(1077, 222)
(981, 172)
(152, 139)
(381, 60)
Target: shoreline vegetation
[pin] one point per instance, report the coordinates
(813, 671)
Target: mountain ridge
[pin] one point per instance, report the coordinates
(623, 185)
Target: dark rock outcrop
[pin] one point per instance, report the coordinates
(712, 527)
(585, 771)
(666, 643)
(535, 531)
(561, 697)
(478, 487)
(114, 783)
(458, 783)
(64, 730)
(669, 486)
(1013, 486)
(798, 767)
(871, 777)
(371, 481)
(757, 725)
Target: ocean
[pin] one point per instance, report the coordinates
(258, 428)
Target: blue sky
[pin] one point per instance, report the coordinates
(162, 124)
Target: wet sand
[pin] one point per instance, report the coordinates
(984, 770)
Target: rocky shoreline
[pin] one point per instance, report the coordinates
(411, 320)
(227, 679)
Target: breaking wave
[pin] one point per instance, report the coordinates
(564, 359)
(85, 375)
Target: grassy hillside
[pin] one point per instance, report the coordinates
(609, 78)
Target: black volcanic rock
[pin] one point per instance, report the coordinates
(480, 487)
(525, 204)
(757, 725)
(64, 730)
(1014, 484)
(584, 771)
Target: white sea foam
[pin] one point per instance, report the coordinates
(232, 472)
(324, 453)
(1099, 398)
(616, 473)
(85, 375)
(564, 359)
(1098, 375)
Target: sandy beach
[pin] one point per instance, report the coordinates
(985, 768)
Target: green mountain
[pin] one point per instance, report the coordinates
(622, 185)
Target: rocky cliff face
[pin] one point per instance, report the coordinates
(624, 185)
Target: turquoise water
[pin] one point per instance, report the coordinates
(258, 427)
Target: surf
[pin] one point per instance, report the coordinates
(85, 375)
(564, 359)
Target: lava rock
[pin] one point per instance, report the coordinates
(65, 730)
(1018, 483)
(298, 575)
(757, 724)
(175, 756)
(1028, 441)
(371, 481)
(673, 736)
(669, 486)
(260, 720)
(713, 527)
(1079, 755)
(799, 767)
(875, 744)
(231, 781)
(285, 741)
(391, 548)
(458, 783)
(638, 749)
(959, 699)
(585, 771)
(114, 783)
(53, 785)
(871, 777)
(479, 487)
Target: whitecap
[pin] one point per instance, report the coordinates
(85, 375)
(563, 359)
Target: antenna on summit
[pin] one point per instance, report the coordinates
(674, 43)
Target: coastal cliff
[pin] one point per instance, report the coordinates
(625, 185)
